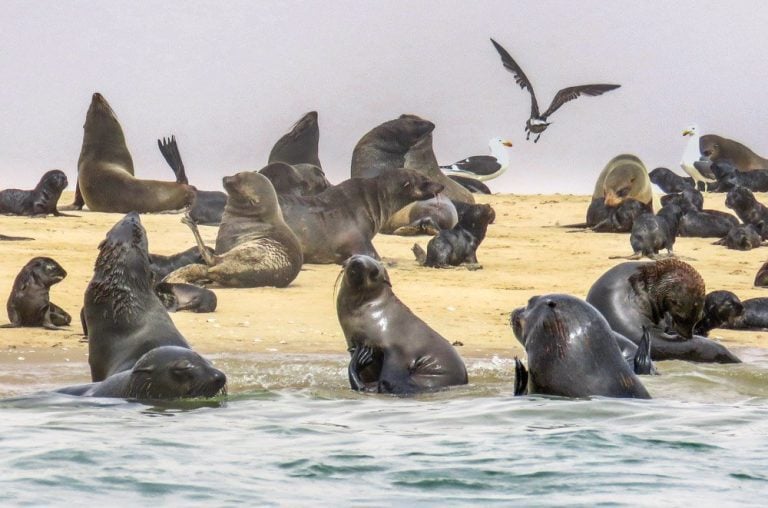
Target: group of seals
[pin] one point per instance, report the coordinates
(41, 200)
(29, 303)
(717, 148)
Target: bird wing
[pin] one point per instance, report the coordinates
(520, 77)
(478, 164)
(573, 92)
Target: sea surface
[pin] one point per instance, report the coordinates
(291, 433)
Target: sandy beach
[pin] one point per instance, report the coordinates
(526, 253)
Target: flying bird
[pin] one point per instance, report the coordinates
(483, 167)
(538, 123)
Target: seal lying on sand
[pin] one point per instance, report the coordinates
(41, 200)
(300, 145)
(452, 247)
(728, 176)
(741, 237)
(29, 303)
(613, 220)
(179, 297)
(392, 350)
(721, 308)
(697, 222)
(343, 220)
(427, 217)
(123, 316)
(254, 246)
(754, 316)
(717, 148)
(105, 170)
(666, 297)
(163, 373)
(669, 182)
(571, 351)
(163, 265)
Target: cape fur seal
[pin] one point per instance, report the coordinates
(384, 147)
(105, 170)
(571, 351)
(749, 209)
(300, 145)
(624, 177)
(670, 182)
(254, 245)
(123, 316)
(721, 308)
(392, 350)
(452, 247)
(342, 220)
(667, 298)
(41, 200)
(728, 176)
(717, 147)
(741, 237)
(29, 303)
(651, 233)
(296, 180)
(179, 297)
(162, 373)
(163, 265)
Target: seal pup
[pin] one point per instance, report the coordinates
(162, 373)
(123, 316)
(741, 237)
(614, 220)
(538, 123)
(453, 247)
(748, 209)
(721, 308)
(472, 185)
(41, 200)
(716, 147)
(163, 265)
(300, 145)
(392, 350)
(728, 176)
(667, 297)
(342, 220)
(254, 246)
(482, 167)
(761, 278)
(670, 182)
(697, 222)
(571, 351)
(384, 147)
(29, 303)
(179, 297)
(651, 233)
(754, 316)
(105, 170)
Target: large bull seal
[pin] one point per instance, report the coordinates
(123, 316)
(392, 350)
(105, 170)
(623, 178)
(572, 351)
(718, 148)
(666, 297)
(299, 146)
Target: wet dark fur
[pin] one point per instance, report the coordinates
(721, 308)
(41, 200)
(669, 181)
(29, 302)
(452, 247)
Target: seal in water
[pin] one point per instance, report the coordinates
(123, 316)
(163, 265)
(105, 170)
(179, 297)
(717, 148)
(41, 200)
(300, 145)
(163, 373)
(667, 297)
(571, 351)
(392, 350)
(721, 308)
(254, 246)
(343, 220)
(29, 303)
(452, 247)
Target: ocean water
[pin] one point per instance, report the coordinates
(291, 433)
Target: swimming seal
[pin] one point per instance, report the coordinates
(384, 147)
(666, 297)
(717, 148)
(29, 303)
(123, 316)
(571, 351)
(162, 373)
(452, 247)
(254, 245)
(392, 350)
(300, 145)
(342, 220)
(41, 200)
(105, 170)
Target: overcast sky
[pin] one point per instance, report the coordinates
(229, 78)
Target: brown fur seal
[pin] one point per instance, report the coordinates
(667, 298)
(123, 316)
(41, 200)
(296, 180)
(254, 246)
(624, 177)
(29, 303)
(718, 148)
(163, 265)
(163, 373)
(392, 350)
(300, 145)
(384, 147)
(343, 220)
(105, 170)
(179, 297)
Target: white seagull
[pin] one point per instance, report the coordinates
(692, 155)
(483, 167)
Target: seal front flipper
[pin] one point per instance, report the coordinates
(521, 378)
(362, 356)
(642, 363)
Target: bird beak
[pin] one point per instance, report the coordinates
(507, 143)
(687, 132)
(611, 199)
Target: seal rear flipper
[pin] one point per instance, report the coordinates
(14, 238)
(421, 255)
(170, 151)
(521, 378)
(642, 363)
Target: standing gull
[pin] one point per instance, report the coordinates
(483, 167)
(691, 157)
(537, 123)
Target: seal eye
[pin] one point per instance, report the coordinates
(551, 304)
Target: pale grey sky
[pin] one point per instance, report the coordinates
(229, 78)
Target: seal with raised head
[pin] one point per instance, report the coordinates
(29, 303)
(162, 373)
(41, 200)
(300, 145)
(666, 297)
(456, 246)
(746, 206)
(123, 316)
(392, 350)
(728, 176)
(105, 170)
(571, 351)
(343, 220)
(254, 245)
(717, 148)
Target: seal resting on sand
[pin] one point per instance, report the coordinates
(721, 308)
(41, 200)
(717, 148)
(29, 303)
(392, 350)
(571, 351)
(666, 297)
(179, 297)
(105, 170)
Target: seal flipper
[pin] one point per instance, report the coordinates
(205, 253)
(418, 251)
(362, 356)
(170, 151)
(521, 378)
(642, 363)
